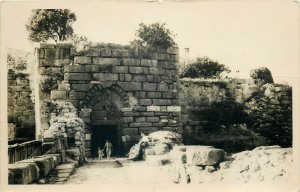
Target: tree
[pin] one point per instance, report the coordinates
(204, 68)
(262, 74)
(46, 24)
(155, 34)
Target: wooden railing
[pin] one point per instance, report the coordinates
(26, 150)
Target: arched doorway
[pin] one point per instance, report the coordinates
(105, 117)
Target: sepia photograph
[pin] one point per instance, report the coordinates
(184, 94)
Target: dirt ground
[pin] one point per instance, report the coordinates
(249, 166)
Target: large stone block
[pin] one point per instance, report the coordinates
(106, 61)
(24, 173)
(136, 70)
(132, 62)
(153, 108)
(81, 87)
(162, 87)
(148, 63)
(156, 71)
(206, 156)
(145, 102)
(149, 87)
(120, 69)
(141, 78)
(152, 119)
(120, 53)
(131, 131)
(147, 130)
(130, 86)
(162, 102)
(58, 94)
(76, 95)
(153, 95)
(140, 124)
(140, 119)
(82, 60)
(78, 76)
(105, 77)
(127, 119)
(74, 68)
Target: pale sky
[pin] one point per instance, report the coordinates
(243, 34)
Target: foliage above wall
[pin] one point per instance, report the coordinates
(204, 68)
(262, 74)
(155, 35)
(55, 24)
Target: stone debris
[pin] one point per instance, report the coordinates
(156, 143)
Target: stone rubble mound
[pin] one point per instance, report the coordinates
(156, 143)
(266, 163)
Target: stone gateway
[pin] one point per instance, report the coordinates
(118, 94)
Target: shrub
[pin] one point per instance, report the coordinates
(155, 34)
(222, 114)
(235, 139)
(204, 68)
(262, 74)
(274, 122)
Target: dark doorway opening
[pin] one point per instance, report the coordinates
(101, 133)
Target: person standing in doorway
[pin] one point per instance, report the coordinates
(108, 149)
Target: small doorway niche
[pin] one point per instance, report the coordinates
(101, 133)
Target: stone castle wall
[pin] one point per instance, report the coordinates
(138, 92)
(21, 115)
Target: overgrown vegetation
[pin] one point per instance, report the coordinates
(16, 63)
(154, 35)
(204, 68)
(51, 82)
(262, 74)
(274, 122)
(235, 138)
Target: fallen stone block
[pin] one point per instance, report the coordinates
(206, 156)
(24, 173)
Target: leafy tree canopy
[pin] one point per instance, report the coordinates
(204, 68)
(262, 74)
(46, 24)
(155, 34)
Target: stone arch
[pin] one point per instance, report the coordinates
(91, 96)
(105, 115)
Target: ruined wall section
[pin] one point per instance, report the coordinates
(21, 115)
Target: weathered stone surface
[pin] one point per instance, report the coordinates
(149, 87)
(140, 124)
(162, 87)
(149, 63)
(58, 94)
(152, 119)
(136, 70)
(201, 155)
(82, 60)
(120, 69)
(106, 61)
(162, 102)
(105, 77)
(131, 131)
(145, 102)
(132, 86)
(153, 108)
(24, 173)
(132, 62)
(78, 76)
(127, 119)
